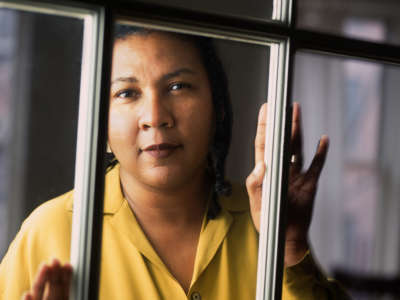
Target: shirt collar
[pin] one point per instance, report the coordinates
(213, 231)
(114, 198)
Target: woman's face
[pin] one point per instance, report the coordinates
(161, 111)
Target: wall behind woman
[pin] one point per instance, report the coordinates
(247, 68)
(44, 78)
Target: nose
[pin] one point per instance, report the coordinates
(155, 112)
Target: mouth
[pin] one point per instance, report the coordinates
(162, 150)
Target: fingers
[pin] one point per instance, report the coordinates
(255, 179)
(27, 296)
(51, 283)
(67, 273)
(314, 171)
(254, 188)
(67, 277)
(259, 143)
(40, 283)
(53, 292)
(59, 281)
(297, 139)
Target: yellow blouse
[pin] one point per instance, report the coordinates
(225, 263)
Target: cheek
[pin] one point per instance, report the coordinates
(121, 127)
(200, 120)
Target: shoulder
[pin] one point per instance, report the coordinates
(51, 213)
(49, 224)
(46, 232)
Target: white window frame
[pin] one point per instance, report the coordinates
(280, 33)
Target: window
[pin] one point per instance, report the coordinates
(40, 75)
(280, 45)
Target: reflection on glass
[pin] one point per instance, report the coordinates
(251, 9)
(39, 83)
(356, 218)
(368, 20)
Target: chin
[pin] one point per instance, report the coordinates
(165, 179)
(170, 177)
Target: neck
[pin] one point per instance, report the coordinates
(183, 206)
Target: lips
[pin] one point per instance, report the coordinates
(162, 150)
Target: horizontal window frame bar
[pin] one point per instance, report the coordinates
(198, 30)
(162, 14)
(301, 39)
(332, 44)
(77, 10)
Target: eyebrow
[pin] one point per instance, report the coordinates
(177, 73)
(133, 79)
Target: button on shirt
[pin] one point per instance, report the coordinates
(196, 296)
(225, 263)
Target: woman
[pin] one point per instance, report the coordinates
(171, 230)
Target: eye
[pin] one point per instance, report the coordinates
(179, 86)
(128, 93)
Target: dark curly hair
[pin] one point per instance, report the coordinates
(222, 108)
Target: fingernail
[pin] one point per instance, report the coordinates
(319, 142)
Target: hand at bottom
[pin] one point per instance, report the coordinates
(51, 283)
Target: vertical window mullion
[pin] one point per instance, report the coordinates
(270, 259)
(90, 160)
(272, 223)
(282, 11)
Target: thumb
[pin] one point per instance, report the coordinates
(254, 187)
(255, 179)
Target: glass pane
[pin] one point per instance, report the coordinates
(169, 129)
(356, 218)
(253, 9)
(364, 19)
(40, 67)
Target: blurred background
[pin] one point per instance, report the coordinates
(40, 65)
(355, 229)
(341, 17)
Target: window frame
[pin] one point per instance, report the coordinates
(88, 184)
(269, 281)
(87, 250)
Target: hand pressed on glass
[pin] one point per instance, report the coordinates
(302, 185)
(52, 282)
